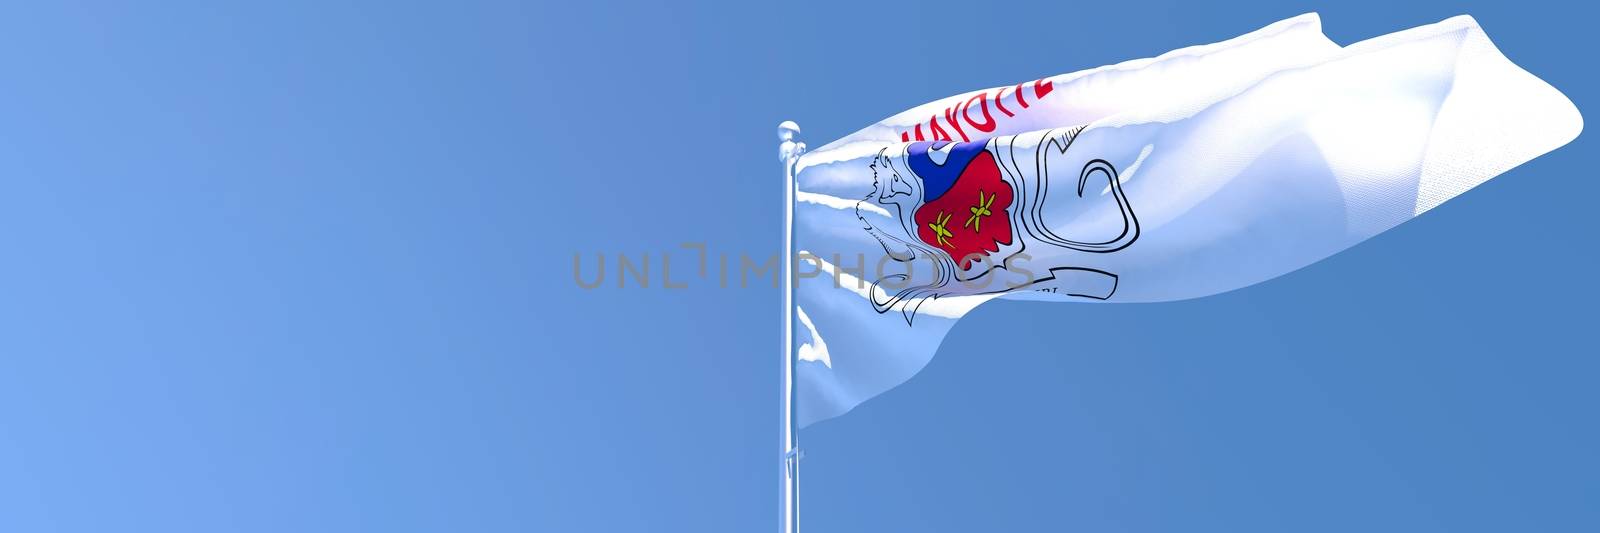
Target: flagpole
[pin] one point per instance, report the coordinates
(789, 151)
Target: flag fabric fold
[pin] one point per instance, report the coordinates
(1200, 171)
(1193, 74)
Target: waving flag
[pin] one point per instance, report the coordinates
(1200, 171)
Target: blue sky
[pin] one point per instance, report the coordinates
(307, 267)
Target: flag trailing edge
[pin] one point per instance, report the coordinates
(1200, 171)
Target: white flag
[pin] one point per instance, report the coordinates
(1201, 171)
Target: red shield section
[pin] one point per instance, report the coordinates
(972, 218)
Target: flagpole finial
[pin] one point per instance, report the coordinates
(791, 147)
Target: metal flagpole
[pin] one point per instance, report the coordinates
(789, 151)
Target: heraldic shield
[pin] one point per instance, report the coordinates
(974, 208)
